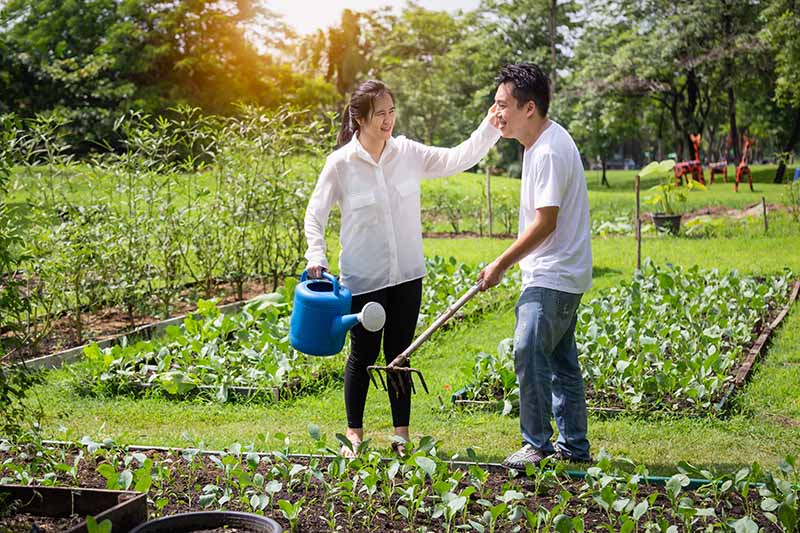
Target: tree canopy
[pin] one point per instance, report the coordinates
(631, 78)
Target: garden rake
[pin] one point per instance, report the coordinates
(396, 371)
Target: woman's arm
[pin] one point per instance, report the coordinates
(326, 194)
(441, 162)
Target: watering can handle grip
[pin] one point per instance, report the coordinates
(327, 275)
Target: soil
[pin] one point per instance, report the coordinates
(465, 235)
(28, 523)
(111, 321)
(718, 211)
(183, 486)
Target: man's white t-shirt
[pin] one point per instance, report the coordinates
(552, 175)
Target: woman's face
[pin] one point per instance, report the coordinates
(380, 124)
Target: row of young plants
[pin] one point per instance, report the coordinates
(448, 210)
(190, 199)
(243, 355)
(422, 492)
(670, 339)
(215, 355)
(447, 280)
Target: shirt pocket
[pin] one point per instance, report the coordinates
(408, 188)
(362, 209)
(361, 200)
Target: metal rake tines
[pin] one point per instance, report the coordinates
(396, 375)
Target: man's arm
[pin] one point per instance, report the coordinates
(544, 223)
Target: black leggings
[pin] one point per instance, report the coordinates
(401, 303)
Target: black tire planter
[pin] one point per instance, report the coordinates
(187, 522)
(667, 223)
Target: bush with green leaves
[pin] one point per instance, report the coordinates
(183, 198)
(670, 339)
(213, 354)
(447, 280)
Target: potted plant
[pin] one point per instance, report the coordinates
(668, 196)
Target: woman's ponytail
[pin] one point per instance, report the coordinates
(349, 127)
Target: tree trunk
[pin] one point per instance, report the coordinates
(730, 77)
(489, 197)
(604, 179)
(789, 147)
(551, 26)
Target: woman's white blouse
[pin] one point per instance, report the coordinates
(381, 235)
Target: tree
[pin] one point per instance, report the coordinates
(343, 54)
(781, 34)
(95, 59)
(414, 62)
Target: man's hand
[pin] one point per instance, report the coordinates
(491, 275)
(315, 271)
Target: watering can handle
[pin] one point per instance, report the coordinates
(327, 275)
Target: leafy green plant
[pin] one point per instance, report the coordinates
(291, 511)
(667, 195)
(637, 354)
(212, 353)
(612, 496)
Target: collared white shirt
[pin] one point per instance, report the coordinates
(381, 231)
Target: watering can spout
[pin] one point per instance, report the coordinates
(341, 324)
(372, 317)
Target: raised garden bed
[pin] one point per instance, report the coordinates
(670, 340)
(107, 324)
(243, 354)
(423, 491)
(45, 509)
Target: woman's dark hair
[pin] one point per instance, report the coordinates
(529, 82)
(360, 107)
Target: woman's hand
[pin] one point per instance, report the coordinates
(315, 271)
(494, 118)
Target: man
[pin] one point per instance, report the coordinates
(555, 256)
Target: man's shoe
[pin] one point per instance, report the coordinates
(563, 455)
(527, 455)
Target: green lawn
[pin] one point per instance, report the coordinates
(765, 426)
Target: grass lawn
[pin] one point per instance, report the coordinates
(764, 427)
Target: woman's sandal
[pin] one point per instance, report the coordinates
(348, 453)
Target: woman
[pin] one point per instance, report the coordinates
(375, 179)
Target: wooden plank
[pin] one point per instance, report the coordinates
(125, 509)
(126, 515)
(785, 310)
(146, 331)
(755, 351)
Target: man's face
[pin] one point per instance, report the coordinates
(381, 123)
(512, 117)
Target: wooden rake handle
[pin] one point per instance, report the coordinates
(403, 358)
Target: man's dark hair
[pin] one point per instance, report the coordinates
(529, 82)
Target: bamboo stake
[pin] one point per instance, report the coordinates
(638, 228)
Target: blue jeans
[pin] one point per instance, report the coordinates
(546, 362)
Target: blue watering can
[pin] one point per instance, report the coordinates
(319, 317)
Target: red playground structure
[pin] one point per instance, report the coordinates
(743, 167)
(691, 168)
(720, 167)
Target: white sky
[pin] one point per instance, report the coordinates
(306, 16)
